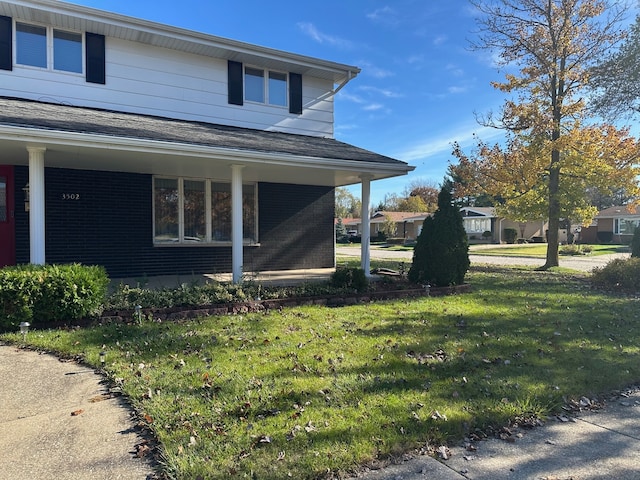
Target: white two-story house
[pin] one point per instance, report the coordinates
(152, 150)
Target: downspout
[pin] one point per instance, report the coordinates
(338, 88)
(500, 231)
(344, 82)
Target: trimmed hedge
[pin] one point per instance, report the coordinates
(43, 293)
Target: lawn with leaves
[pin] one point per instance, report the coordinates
(316, 392)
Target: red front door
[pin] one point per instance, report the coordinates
(7, 226)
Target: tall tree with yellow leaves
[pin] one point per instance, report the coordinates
(551, 154)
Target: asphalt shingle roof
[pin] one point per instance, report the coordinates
(65, 118)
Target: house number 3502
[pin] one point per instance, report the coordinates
(70, 196)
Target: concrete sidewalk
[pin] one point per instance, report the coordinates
(57, 421)
(593, 445)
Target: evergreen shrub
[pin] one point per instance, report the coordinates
(635, 243)
(441, 254)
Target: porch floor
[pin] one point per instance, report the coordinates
(280, 277)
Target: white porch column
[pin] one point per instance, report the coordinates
(36, 204)
(365, 254)
(236, 223)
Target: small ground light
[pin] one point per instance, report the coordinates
(24, 328)
(103, 358)
(138, 313)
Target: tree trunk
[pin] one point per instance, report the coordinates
(554, 215)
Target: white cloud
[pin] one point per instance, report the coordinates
(351, 97)
(415, 59)
(454, 70)
(441, 144)
(455, 90)
(385, 15)
(439, 40)
(385, 92)
(372, 107)
(311, 31)
(370, 69)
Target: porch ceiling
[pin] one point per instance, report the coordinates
(84, 138)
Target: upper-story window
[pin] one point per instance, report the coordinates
(265, 86)
(44, 47)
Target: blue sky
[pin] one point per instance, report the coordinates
(419, 86)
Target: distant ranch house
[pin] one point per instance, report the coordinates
(481, 224)
(613, 224)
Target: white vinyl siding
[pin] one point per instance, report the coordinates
(167, 83)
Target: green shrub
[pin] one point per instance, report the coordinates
(350, 279)
(43, 293)
(573, 249)
(619, 274)
(635, 243)
(510, 235)
(441, 254)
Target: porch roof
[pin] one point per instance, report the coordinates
(149, 144)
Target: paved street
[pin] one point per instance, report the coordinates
(585, 264)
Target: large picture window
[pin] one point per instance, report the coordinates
(199, 211)
(477, 225)
(44, 47)
(625, 226)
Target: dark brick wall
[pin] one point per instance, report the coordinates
(105, 218)
(295, 227)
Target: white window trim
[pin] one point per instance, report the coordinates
(49, 48)
(208, 241)
(618, 221)
(265, 86)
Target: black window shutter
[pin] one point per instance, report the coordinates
(6, 47)
(95, 54)
(236, 94)
(295, 93)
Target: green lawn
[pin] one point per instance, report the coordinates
(540, 250)
(304, 391)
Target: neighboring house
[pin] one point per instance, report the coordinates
(613, 224)
(405, 223)
(478, 220)
(151, 149)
